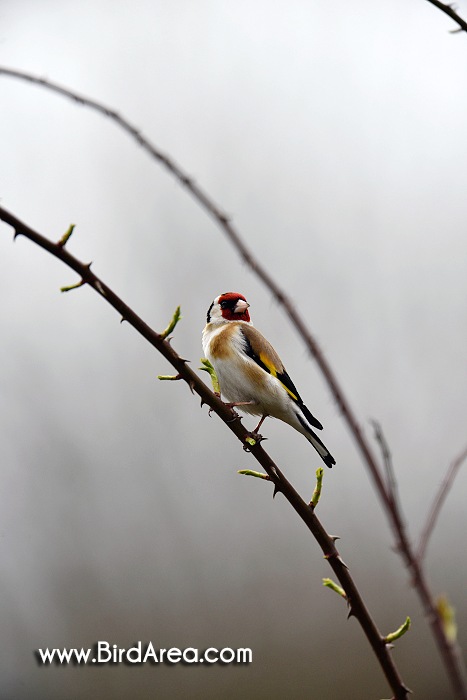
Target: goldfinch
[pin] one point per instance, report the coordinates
(250, 372)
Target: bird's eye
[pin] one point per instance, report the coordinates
(224, 304)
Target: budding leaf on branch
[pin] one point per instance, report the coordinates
(64, 239)
(258, 475)
(72, 286)
(317, 492)
(398, 633)
(329, 583)
(175, 319)
(207, 367)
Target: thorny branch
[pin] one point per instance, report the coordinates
(450, 11)
(448, 651)
(357, 607)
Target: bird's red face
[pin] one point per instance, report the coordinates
(233, 307)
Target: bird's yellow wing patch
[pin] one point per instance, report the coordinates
(267, 362)
(272, 369)
(262, 352)
(283, 377)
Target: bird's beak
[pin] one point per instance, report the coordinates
(241, 306)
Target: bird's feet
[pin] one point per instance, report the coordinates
(239, 403)
(233, 404)
(255, 431)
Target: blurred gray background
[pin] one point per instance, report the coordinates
(334, 135)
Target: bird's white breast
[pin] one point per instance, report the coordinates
(240, 378)
(223, 346)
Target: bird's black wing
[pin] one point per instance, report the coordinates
(266, 357)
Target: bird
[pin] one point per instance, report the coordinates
(250, 373)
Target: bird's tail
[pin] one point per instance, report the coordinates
(320, 448)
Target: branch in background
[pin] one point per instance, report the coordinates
(391, 482)
(451, 659)
(438, 502)
(449, 10)
(224, 223)
(357, 607)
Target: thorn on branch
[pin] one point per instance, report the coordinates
(236, 416)
(254, 436)
(398, 633)
(175, 319)
(335, 555)
(341, 561)
(64, 239)
(73, 286)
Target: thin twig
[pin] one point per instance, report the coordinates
(391, 481)
(450, 658)
(357, 607)
(438, 501)
(449, 10)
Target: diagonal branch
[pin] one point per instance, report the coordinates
(450, 11)
(227, 227)
(448, 653)
(438, 502)
(357, 607)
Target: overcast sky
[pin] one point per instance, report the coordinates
(333, 135)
